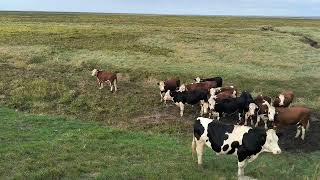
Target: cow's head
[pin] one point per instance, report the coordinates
(281, 100)
(168, 96)
(271, 144)
(271, 110)
(247, 96)
(213, 91)
(182, 88)
(197, 79)
(94, 72)
(161, 85)
(252, 108)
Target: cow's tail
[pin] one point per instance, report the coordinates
(193, 146)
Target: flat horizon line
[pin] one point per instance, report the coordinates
(160, 14)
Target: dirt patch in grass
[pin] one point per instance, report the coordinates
(311, 142)
(288, 142)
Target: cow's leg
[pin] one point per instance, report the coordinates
(265, 123)
(115, 85)
(246, 117)
(258, 120)
(219, 114)
(101, 85)
(241, 166)
(251, 118)
(98, 81)
(298, 131)
(303, 132)
(110, 84)
(199, 148)
(308, 125)
(161, 97)
(181, 105)
(201, 108)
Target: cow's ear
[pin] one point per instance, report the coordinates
(158, 84)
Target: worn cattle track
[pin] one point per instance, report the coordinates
(304, 38)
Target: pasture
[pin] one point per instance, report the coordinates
(45, 68)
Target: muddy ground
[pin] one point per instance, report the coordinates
(287, 140)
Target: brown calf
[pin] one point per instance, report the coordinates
(284, 99)
(103, 77)
(293, 115)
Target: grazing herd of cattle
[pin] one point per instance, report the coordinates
(217, 101)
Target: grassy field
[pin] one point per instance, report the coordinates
(45, 64)
(42, 147)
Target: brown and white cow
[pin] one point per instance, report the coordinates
(284, 99)
(169, 84)
(104, 77)
(261, 109)
(243, 141)
(198, 86)
(299, 116)
(231, 90)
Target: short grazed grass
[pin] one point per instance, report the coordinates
(42, 147)
(45, 64)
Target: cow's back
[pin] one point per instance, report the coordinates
(220, 137)
(292, 114)
(172, 84)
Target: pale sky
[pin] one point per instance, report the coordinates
(184, 7)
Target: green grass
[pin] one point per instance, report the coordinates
(41, 147)
(45, 68)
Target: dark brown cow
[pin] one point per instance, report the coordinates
(218, 80)
(293, 115)
(284, 99)
(169, 84)
(103, 77)
(224, 95)
(199, 86)
(228, 89)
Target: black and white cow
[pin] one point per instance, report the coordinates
(189, 97)
(229, 106)
(243, 141)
